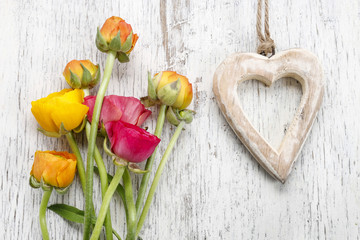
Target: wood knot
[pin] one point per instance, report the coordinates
(266, 47)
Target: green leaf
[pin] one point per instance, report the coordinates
(68, 212)
(123, 57)
(74, 214)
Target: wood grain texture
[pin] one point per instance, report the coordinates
(211, 187)
(299, 64)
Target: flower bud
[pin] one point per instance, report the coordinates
(175, 116)
(60, 112)
(53, 168)
(171, 89)
(116, 35)
(81, 74)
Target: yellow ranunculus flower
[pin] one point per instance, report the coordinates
(60, 107)
(55, 168)
(168, 79)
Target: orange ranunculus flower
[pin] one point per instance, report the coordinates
(108, 39)
(111, 28)
(64, 107)
(55, 168)
(81, 74)
(172, 89)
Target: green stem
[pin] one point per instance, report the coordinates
(120, 190)
(129, 198)
(116, 235)
(150, 162)
(79, 163)
(106, 202)
(92, 139)
(158, 175)
(104, 184)
(42, 214)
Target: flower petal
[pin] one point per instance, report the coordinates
(77, 96)
(66, 175)
(41, 112)
(55, 168)
(143, 117)
(110, 112)
(90, 102)
(42, 109)
(130, 142)
(185, 96)
(130, 107)
(109, 26)
(166, 78)
(69, 109)
(60, 107)
(70, 114)
(114, 108)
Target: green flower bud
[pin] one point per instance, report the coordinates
(175, 116)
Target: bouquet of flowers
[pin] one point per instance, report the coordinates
(118, 120)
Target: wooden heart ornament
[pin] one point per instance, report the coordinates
(299, 64)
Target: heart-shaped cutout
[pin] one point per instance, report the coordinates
(299, 64)
(270, 109)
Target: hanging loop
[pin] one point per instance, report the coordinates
(267, 45)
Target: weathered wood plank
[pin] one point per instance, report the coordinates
(212, 188)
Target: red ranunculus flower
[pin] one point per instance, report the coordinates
(114, 108)
(130, 142)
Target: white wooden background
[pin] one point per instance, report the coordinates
(211, 188)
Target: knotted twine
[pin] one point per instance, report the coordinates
(267, 45)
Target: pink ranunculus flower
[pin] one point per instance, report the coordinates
(130, 142)
(114, 108)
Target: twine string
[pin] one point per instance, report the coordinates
(267, 45)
